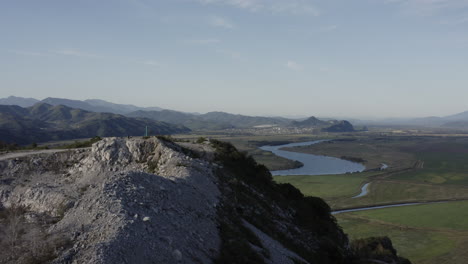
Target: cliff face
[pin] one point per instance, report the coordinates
(155, 201)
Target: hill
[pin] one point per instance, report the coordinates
(191, 121)
(458, 117)
(44, 122)
(339, 126)
(456, 124)
(211, 120)
(242, 120)
(96, 105)
(20, 101)
(156, 201)
(429, 121)
(326, 126)
(309, 122)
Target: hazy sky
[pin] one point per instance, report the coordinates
(263, 57)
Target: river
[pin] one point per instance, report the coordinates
(313, 164)
(364, 191)
(323, 165)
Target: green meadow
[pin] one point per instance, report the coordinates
(432, 233)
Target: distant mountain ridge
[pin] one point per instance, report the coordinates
(452, 121)
(20, 101)
(44, 122)
(463, 116)
(97, 105)
(221, 120)
(243, 120)
(210, 121)
(92, 105)
(192, 121)
(119, 108)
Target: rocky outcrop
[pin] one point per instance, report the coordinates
(113, 210)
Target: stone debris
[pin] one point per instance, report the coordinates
(113, 209)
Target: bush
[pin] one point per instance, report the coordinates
(26, 241)
(165, 138)
(378, 248)
(8, 146)
(200, 140)
(241, 164)
(82, 144)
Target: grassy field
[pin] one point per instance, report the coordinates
(427, 234)
(388, 192)
(440, 216)
(337, 190)
(326, 186)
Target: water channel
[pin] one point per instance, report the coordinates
(313, 164)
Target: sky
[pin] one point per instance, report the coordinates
(333, 58)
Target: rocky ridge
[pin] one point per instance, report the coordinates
(116, 212)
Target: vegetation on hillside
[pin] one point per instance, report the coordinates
(43, 122)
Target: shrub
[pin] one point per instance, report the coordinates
(200, 140)
(165, 138)
(26, 241)
(82, 144)
(378, 248)
(152, 166)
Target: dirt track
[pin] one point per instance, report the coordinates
(12, 155)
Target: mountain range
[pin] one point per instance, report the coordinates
(45, 122)
(220, 120)
(208, 121)
(20, 101)
(211, 120)
(92, 105)
(455, 121)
